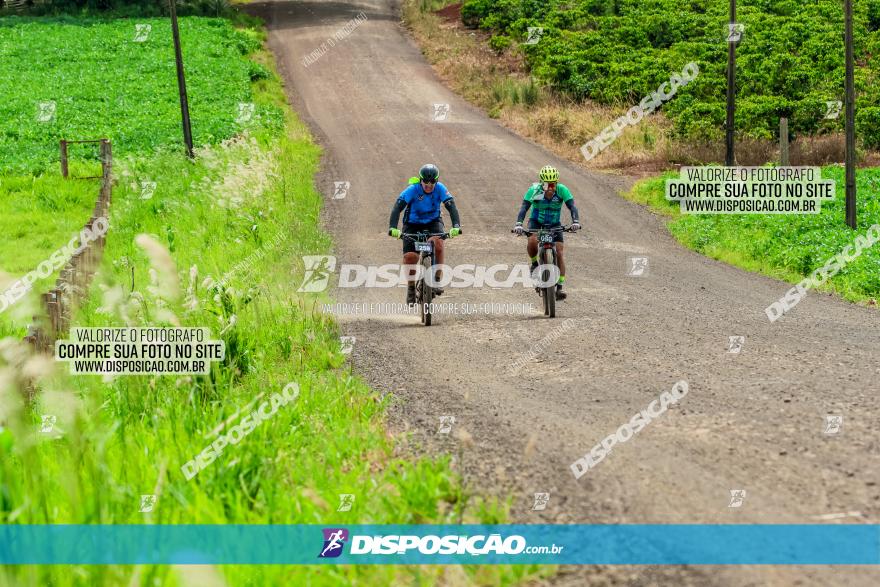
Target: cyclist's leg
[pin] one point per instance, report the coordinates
(532, 245)
(410, 256)
(410, 262)
(438, 250)
(560, 261)
(438, 246)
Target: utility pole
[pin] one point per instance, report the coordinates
(850, 118)
(181, 81)
(729, 159)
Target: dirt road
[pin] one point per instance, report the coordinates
(753, 420)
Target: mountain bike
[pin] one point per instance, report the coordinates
(546, 261)
(425, 249)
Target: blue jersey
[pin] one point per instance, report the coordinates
(422, 208)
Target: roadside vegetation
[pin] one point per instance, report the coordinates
(790, 57)
(218, 243)
(788, 247)
(594, 59)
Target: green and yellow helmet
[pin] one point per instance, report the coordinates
(548, 173)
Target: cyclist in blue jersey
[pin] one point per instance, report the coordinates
(546, 199)
(420, 204)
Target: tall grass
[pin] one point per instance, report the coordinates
(510, 91)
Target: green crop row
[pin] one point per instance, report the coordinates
(790, 58)
(119, 81)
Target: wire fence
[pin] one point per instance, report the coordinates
(14, 5)
(72, 286)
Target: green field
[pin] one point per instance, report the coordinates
(790, 59)
(44, 211)
(107, 78)
(248, 202)
(105, 83)
(785, 246)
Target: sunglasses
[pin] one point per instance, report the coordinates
(431, 181)
(549, 184)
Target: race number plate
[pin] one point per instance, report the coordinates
(546, 237)
(424, 247)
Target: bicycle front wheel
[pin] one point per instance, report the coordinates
(427, 291)
(548, 259)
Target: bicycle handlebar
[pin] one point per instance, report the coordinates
(415, 236)
(530, 232)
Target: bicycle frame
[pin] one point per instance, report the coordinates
(547, 254)
(425, 247)
(420, 238)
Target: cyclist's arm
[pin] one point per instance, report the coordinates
(398, 207)
(524, 209)
(453, 212)
(449, 201)
(527, 203)
(573, 209)
(565, 193)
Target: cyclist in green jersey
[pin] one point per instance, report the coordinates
(546, 199)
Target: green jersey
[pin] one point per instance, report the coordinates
(544, 211)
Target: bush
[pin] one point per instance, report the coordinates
(868, 126)
(499, 43)
(618, 51)
(474, 11)
(258, 72)
(873, 14)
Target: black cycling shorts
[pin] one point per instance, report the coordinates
(408, 245)
(557, 236)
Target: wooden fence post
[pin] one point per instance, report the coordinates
(783, 141)
(52, 307)
(64, 170)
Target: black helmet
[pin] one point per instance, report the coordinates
(429, 172)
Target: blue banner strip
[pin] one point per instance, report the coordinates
(662, 544)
